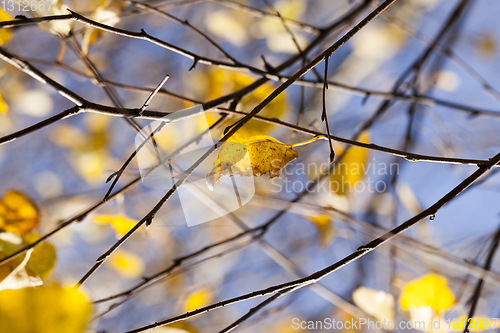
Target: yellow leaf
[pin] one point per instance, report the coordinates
(35, 267)
(376, 303)
(429, 290)
(254, 156)
(326, 231)
(127, 264)
(349, 170)
(19, 277)
(88, 152)
(198, 299)
(9, 243)
(5, 34)
(220, 82)
(225, 25)
(42, 260)
(122, 223)
(57, 7)
(109, 15)
(18, 214)
(50, 309)
(3, 106)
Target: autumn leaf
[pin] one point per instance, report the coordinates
(225, 25)
(107, 13)
(5, 34)
(50, 309)
(126, 263)
(255, 156)
(430, 290)
(326, 231)
(43, 257)
(18, 214)
(376, 303)
(350, 170)
(219, 82)
(56, 7)
(87, 149)
(121, 222)
(3, 106)
(27, 269)
(198, 299)
(19, 277)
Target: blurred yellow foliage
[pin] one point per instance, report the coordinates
(376, 303)
(486, 45)
(43, 257)
(34, 269)
(198, 299)
(107, 12)
(429, 290)
(265, 155)
(5, 34)
(3, 106)
(122, 223)
(126, 263)
(326, 231)
(350, 170)
(50, 309)
(18, 214)
(88, 153)
(220, 82)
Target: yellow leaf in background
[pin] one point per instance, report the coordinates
(18, 214)
(254, 156)
(429, 290)
(57, 7)
(50, 309)
(326, 231)
(68, 136)
(275, 109)
(376, 303)
(477, 324)
(486, 45)
(9, 244)
(20, 277)
(126, 263)
(179, 327)
(122, 223)
(5, 34)
(350, 170)
(42, 260)
(225, 25)
(87, 149)
(107, 13)
(220, 82)
(3, 106)
(35, 267)
(198, 299)
(291, 9)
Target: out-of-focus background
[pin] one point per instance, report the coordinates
(448, 107)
